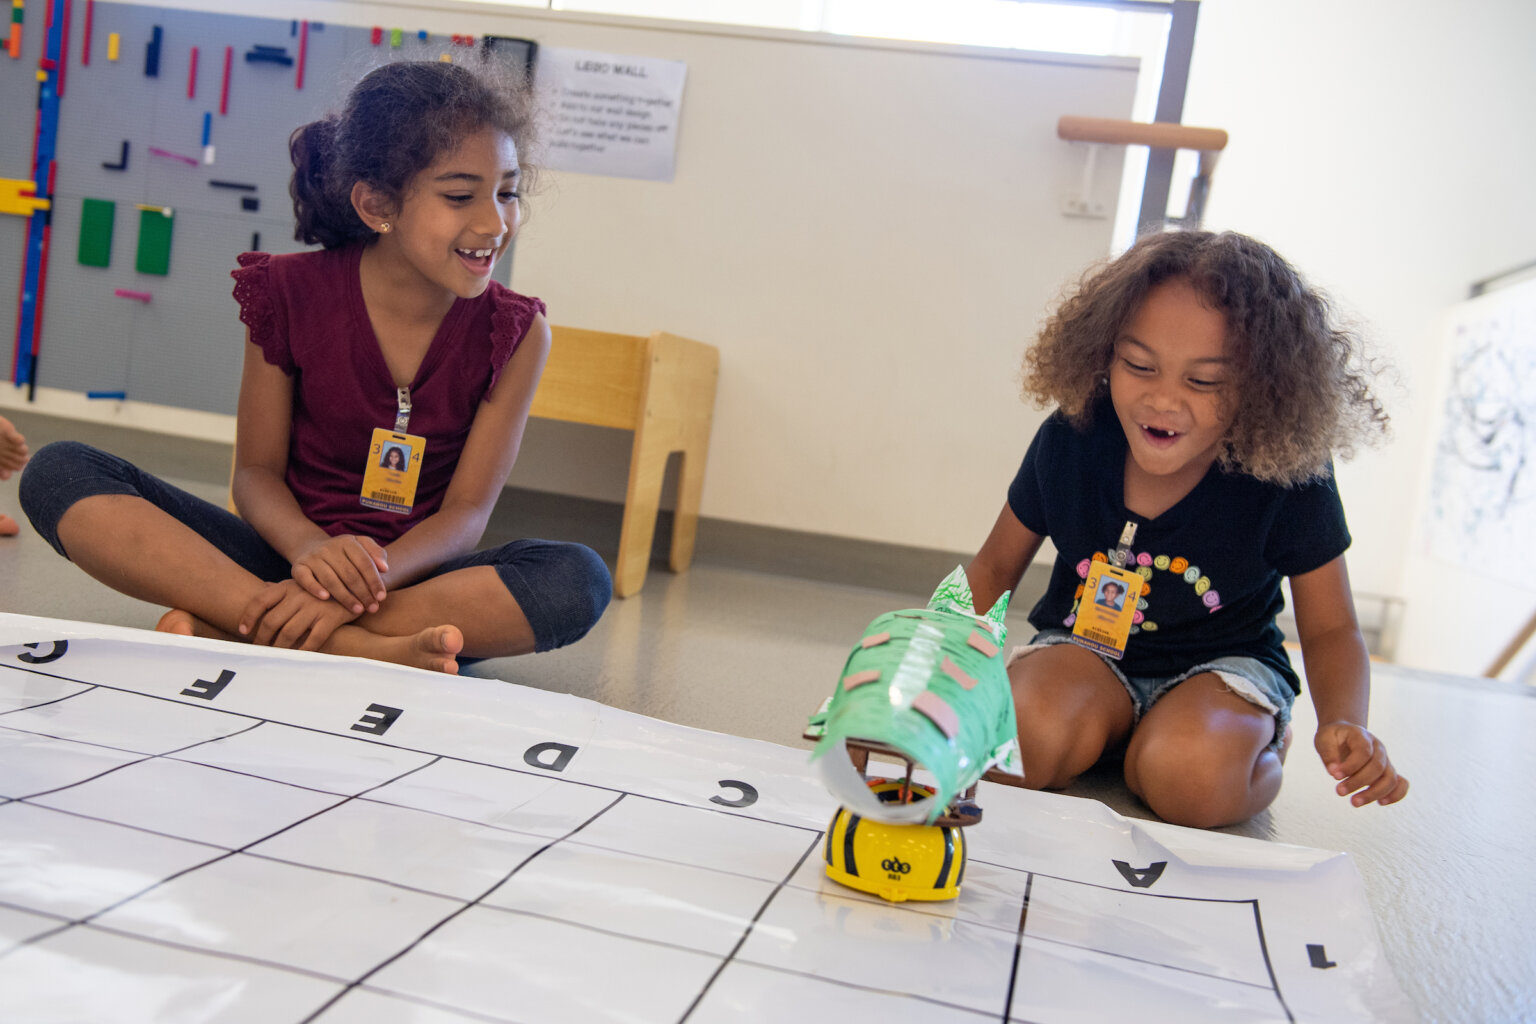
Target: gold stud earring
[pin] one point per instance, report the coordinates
(384, 228)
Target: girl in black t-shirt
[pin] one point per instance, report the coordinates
(1202, 390)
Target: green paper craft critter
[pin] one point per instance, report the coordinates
(929, 685)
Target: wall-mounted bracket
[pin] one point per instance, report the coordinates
(1209, 142)
(1083, 204)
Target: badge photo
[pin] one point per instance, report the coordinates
(1107, 609)
(394, 464)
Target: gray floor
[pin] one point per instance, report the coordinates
(732, 647)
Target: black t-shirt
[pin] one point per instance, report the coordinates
(1212, 563)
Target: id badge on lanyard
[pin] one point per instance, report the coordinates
(394, 462)
(1107, 609)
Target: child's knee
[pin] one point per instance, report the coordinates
(49, 475)
(1202, 786)
(591, 585)
(1181, 802)
(42, 469)
(1057, 748)
(578, 591)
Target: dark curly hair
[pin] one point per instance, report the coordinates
(399, 119)
(1299, 390)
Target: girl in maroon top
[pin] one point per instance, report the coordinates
(392, 333)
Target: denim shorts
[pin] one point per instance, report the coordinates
(561, 587)
(1249, 678)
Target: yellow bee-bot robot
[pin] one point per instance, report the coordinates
(926, 686)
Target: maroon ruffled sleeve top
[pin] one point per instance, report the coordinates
(305, 310)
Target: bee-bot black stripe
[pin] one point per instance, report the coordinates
(848, 859)
(949, 856)
(961, 852)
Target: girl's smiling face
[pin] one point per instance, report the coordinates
(1169, 384)
(457, 216)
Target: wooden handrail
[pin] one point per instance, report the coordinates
(1159, 135)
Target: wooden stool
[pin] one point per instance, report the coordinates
(661, 387)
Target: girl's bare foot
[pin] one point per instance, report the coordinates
(435, 648)
(438, 648)
(176, 621)
(13, 449)
(13, 455)
(183, 623)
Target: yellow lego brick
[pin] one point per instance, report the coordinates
(14, 202)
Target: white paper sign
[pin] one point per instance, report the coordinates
(613, 115)
(1482, 497)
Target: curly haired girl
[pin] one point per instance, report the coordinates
(1202, 389)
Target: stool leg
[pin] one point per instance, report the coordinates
(688, 384)
(685, 521)
(647, 468)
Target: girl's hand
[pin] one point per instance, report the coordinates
(285, 615)
(1359, 761)
(346, 569)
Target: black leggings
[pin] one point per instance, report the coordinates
(561, 587)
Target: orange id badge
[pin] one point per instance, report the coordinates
(1107, 609)
(394, 463)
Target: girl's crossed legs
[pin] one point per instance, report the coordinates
(150, 540)
(1199, 753)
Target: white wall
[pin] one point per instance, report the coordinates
(867, 230)
(1386, 148)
